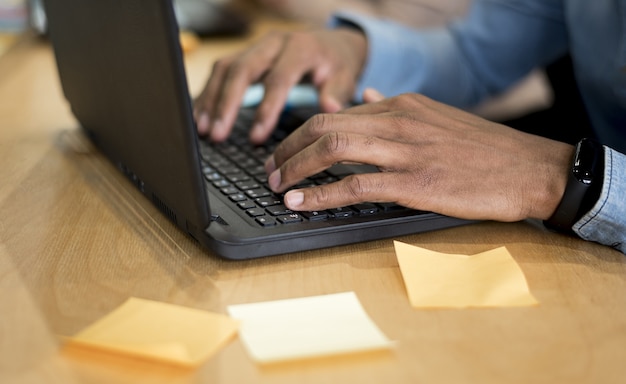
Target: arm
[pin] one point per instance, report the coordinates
(496, 44)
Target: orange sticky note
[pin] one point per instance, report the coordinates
(160, 331)
(441, 280)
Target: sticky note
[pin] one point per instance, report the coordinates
(307, 327)
(441, 280)
(161, 331)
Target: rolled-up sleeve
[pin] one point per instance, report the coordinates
(460, 64)
(606, 222)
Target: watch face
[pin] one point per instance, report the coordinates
(586, 161)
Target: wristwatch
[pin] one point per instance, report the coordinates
(584, 185)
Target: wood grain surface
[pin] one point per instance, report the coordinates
(76, 240)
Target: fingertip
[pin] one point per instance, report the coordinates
(219, 131)
(294, 199)
(270, 164)
(202, 123)
(371, 95)
(274, 180)
(330, 104)
(259, 133)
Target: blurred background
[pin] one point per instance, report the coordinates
(205, 19)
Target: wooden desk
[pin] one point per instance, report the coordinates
(76, 240)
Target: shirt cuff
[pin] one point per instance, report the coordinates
(401, 59)
(605, 223)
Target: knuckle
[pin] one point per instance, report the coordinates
(317, 126)
(408, 101)
(335, 144)
(321, 196)
(223, 65)
(298, 40)
(357, 187)
(237, 67)
(274, 80)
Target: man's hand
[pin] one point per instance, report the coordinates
(332, 59)
(431, 157)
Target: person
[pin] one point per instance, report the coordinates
(433, 155)
(422, 13)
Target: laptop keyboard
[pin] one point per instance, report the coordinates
(235, 169)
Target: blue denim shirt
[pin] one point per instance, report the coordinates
(498, 43)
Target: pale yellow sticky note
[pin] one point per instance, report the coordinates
(160, 331)
(307, 327)
(488, 279)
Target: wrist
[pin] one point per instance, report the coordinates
(584, 185)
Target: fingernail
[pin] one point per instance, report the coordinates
(202, 123)
(274, 180)
(270, 165)
(294, 199)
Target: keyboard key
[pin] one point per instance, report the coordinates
(229, 190)
(213, 176)
(325, 180)
(365, 209)
(266, 221)
(388, 207)
(246, 204)
(228, 169)
(258, 193)
(221, 183)
(237, 197)
(268, 201)
(254, 212)
(256, 170)
(341, 212)
(290, 218)
(237, 177)
(315, 215)
(248, 184)
(278, 210)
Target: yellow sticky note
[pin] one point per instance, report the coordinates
(160, 331)
(307, 327)
(488, 279)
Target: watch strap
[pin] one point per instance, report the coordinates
(584, 185)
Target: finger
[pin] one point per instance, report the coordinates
(291, 65)
(333, 148)
(204, 104)
(238, 75)
(371, 95)
(336, 92)
(370, 187)
(386, 126)
(277, 85)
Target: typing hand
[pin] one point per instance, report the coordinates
(331, 58)
(431, 157)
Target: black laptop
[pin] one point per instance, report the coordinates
(121, 69)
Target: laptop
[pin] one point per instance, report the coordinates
(121, 69)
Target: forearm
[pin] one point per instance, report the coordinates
(466, 61)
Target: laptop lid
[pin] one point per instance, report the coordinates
(121, 70)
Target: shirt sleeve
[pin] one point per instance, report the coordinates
(460, 64)
(606, 222)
